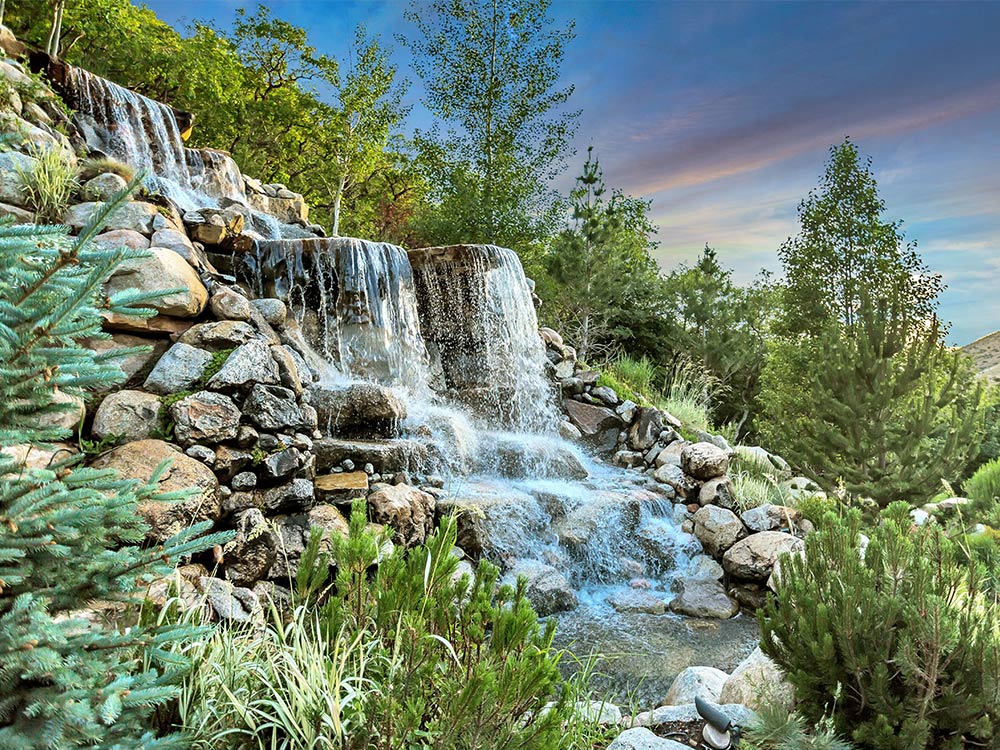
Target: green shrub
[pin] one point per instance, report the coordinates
(95, 166)
(404, 653)
(49, 185)
(774, 728)
(983, 487)
(816, 507)
(899, 637)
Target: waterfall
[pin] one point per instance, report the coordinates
(354, 300)
(477, 316)
(144, 134)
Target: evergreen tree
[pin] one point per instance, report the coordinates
(859, 385)
(604, 285)
(69, 535)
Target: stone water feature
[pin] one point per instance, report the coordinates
(147, 135)
(452, 332)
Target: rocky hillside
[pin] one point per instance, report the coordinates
(985, 352)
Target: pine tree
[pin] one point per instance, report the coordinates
(859, 386)
(70, 535)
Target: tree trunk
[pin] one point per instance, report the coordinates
(52, 45)
(341, 182)
(3, 6)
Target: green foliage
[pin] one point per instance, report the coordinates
(410, 655)
(983, 487)
(214, 365)
(860, 387)
(490, 72)
(69, 535)
(720, 326)
(898, 637)
(94, 166)
(49, 185)
(597, 276)
(776, 729)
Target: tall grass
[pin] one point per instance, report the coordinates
(49, 185)
(687, 394)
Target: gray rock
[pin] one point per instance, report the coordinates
(250, 554)
(222, 334)
(569, 431)
(704, 461)
(369, 408)
(162, 269)
(244, 480)
(104, 187)
(231, 603)
(605, 394)
(753, 558)
(12, 165)
(123, 238)
(645, 430)
(180, 368)
(688, 714)
(207, 456)
(626, 410)
(131, 415)
(592, 421)
(288, 371)
(294, 496)
(631, 600)
(387, 456)
(673, 476)
(248, 365)
(227, 304)
(205, 416)
(717, 529)
(703, 566)
(273, 310)
(282, 463)
(548, 590)
(272, 407)
(770, 517)
(717, 492)
(701, 597)
(696, 682)
(640, 738)
(407, 510)
(141, 217)
(757, 682)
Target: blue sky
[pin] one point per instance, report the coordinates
(722, 113)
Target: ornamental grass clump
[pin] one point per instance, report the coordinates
(899, 639)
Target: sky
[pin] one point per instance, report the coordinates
(722, 114)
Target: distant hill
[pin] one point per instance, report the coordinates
(985, 352)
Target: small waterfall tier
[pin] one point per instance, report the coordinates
(148, 136)
(355, 302)
(477, 317)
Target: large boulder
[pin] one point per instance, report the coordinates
(633, 600)
(272, 407)
(12, 166)
(719, 492)
(162, 269)
(341, 488)
(640, 738)
(367, 408)
(179, 369)
(229, 603)
(205, 416)
(770, 517)
(646, 429)
(136, 365)
(592, 421)
(753, 558)
(220, 334)
(696, 682)
(385, 456)
(139, 459)
(104, 187)
(704, 461)
(123, 238)
(144, 218)
(128, 415)
(674, 477)
(701, 597)
(250, 554)
(756, 683)
(717, 529)
(409, 511)
(248, 365)
(547, 590)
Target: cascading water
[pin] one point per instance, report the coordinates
(479, 399)
(144, 134)
(354, 300)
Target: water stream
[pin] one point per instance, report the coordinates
(453, 331)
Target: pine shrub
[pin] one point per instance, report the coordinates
(70, 535)
(983, 487)
(900, 638)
